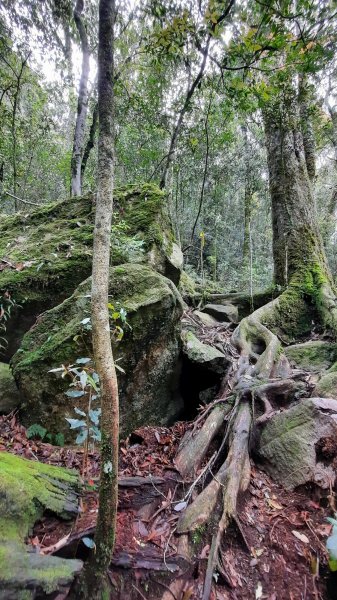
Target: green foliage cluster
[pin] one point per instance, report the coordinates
(39, 432)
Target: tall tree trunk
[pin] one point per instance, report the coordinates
(16, 100)
(300, 263)
(95, 573)
(305, 98)
(333, 201)
(247, 206)
(91, 140)
(82, 103)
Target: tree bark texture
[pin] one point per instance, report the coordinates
(295, 230)
(247, 205)
(108, 491)
(305, 97)
(300, 263)
(82, 103)
(91, 140)
(333, 201)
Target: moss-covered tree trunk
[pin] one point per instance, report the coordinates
(305, 103)
(333, 201)
(299, 259)
(248, 197)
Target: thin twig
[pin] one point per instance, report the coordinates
(164, 586)
(22, 200)
(138, 590)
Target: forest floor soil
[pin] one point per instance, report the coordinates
(276, 551)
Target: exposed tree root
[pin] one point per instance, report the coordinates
(262, 383)
(259, 347)
(232, 476)
(194, 447)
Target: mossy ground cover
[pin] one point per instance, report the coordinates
(27, 488)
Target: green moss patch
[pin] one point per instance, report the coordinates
(27, 488)
(313, 355)
(9, 394)
(327, 385)
(148, 351)
(48, 251)
(202, 354)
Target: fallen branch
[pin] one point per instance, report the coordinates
(22, 200)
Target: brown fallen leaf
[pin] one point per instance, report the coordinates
(300, 536)
(274, 504)
(324, 530)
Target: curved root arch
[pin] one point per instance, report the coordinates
(262, 377)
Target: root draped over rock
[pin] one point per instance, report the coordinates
(262, 377)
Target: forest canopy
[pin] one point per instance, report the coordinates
(171, 58)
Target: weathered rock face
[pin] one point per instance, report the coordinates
(9, 393)
(202, 355)
(205, 319)
(222, 312)
(313, 355)
(148, 352)
(299, 444)
(326, 387)
(47, 253)
(203, 368)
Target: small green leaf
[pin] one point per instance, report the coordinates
(74, 393)
(89, 542)
(331, 545)
(95, 434)
(83, 379)
(333, 565)
(78, 411)
(95, 415)
(92, 382)
(76, 423)
(82, 436)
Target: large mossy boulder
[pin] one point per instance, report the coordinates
(203, 368)
(299, 445)
(47, 253)
(148, 352)
(27, 489)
